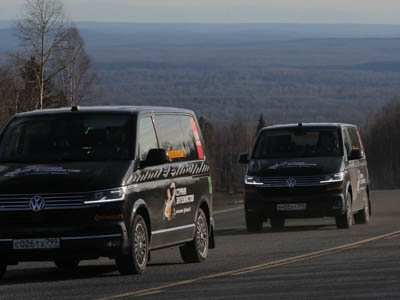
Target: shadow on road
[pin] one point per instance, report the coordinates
(242, 231)
(32, 275)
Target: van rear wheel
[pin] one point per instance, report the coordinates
(253, 222)
(345, 221)
(196, 251)
(3, 268)
(135, 261)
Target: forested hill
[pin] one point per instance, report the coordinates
(288, 72)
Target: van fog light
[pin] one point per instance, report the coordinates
(338, 204)
(108, 217)
(112, 244)
(335, 188)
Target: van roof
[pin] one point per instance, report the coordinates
(106, 109)
(328, 125)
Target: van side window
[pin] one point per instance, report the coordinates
(355, 142)
(147, 137)
(177, 137)
(347, 141)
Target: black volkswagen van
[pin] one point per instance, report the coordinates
(80, 183)
(306, 170)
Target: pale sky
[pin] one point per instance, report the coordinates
(226, 11)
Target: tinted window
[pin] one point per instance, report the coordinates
(147, 137)
(67, 137)
(176, 136)
(355, 142)
(297, 142)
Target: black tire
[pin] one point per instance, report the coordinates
(362, 217)
(135, 261)
(277, 222)
(345, 221)
(196, 251)
(3, 269)
(254, 222)
(67, 264)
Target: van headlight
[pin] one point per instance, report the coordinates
(337, 177)
(253, 180)
(104, 196)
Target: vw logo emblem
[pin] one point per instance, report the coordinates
(37, 203)
(291, 182)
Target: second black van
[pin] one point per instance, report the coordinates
(306, 170)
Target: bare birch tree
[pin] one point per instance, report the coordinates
(76, 78)
(42, 28)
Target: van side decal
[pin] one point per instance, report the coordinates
(197, 139)
(171, 172)
(292, 165)
(41, 171)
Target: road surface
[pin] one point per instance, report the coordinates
(309, 259)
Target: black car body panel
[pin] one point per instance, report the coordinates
(305, 181)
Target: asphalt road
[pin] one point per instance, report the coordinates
(309, 259)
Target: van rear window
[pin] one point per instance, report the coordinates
(298, 142)
(66, 137)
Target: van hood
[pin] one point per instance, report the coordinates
(295, 166)
(62, 177)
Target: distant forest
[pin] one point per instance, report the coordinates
(287, 72)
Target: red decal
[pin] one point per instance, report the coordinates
(197, 139)
(359, 140)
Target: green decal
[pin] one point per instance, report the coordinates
(209, 185)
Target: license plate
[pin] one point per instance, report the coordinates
(50, 243)
(291, 206)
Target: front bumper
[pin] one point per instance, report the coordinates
(106, 240)
(318, 202)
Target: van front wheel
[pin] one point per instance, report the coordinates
(253, 222)
(196, 251)
(136, 260)
(345, 221)
(362, 217)
(3, 268)
(277, 222)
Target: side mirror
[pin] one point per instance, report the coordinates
(355, 154)
(156, 157)
(243, 158)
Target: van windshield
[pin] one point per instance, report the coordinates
(66, 137)
(298, 142)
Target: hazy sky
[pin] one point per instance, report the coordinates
(226, 11)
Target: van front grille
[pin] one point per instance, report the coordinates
(52, 201)
(283, 181)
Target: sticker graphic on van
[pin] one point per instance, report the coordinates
(41, 171)
(173, 154)
(292, 165)
(171, 172)
(197, 139)
(169, 205)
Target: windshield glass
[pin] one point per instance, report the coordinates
(66, 137)
(298, 142)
